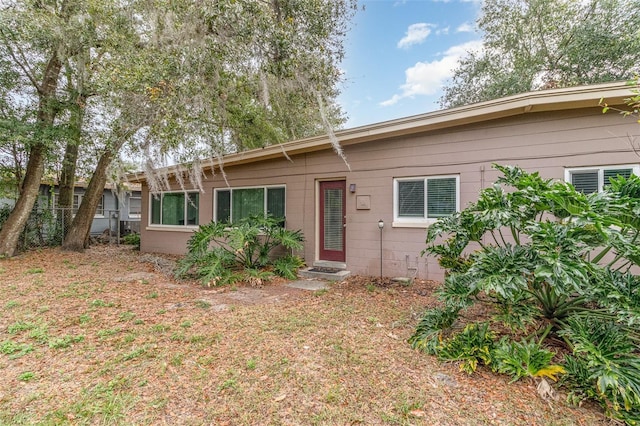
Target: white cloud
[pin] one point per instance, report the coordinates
(465, 28)
(416, 34)
(427, 78)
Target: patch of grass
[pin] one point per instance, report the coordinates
(197, 338)
(161, 311)
(135, 353)
(186, 324)
(99, 303)
(203, 304)
(178, 337)
(177, 360)
(40, 334)
(100, 404)
(334, 395)
(104, 333)
(129, 337)
(26, 376)
(20, 326)
(251, 364)
(37, 270)
(370, 287)
(159, 403)
(84, 319)
(229, 384)
(126, 316)
(69, 265)
(321, 292)
(14, 349)
(152, 295)
(160, 328)
(11, 304)
(64, 341)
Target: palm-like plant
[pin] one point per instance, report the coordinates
(543, 257)
(218, 252)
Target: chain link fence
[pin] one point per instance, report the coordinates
(47, 227)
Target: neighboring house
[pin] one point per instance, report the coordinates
(406, 172)
(117, 210)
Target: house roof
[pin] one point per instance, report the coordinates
(539, 101)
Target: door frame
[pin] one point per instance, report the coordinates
(320, 216)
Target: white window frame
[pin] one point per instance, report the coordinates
(184, 227)
(75, 208)
(135, 215)
(568, 172)
(233, 188)
(417, 222)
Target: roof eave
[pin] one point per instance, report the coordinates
(540, 101)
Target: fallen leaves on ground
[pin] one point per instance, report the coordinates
(102, 338)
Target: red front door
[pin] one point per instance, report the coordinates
(332, 220)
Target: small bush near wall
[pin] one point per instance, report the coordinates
(219, 253)
(551, 292)
(132, 239)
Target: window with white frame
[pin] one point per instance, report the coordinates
(178, 208)
(594, 179)
(424, 199)
(77, 199)
(135, 207)
(234, 204)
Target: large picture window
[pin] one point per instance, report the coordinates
(234, 204)
(422, 200)
(594, 179)
(175, 208)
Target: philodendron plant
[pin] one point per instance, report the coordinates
(552, 268)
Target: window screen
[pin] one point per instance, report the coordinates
(441, 197)
(411, 198)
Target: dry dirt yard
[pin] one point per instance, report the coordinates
(103, 338)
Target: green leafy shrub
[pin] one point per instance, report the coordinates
(543, 260)
(472, 345)
(608, 361)
(287, 266)
(132, 239)
(525, 359)
(218, 253)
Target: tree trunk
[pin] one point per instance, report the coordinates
(15, 223)
(78, 236)
(68, 173)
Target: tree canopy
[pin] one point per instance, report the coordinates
(165, 81)
(537, 44)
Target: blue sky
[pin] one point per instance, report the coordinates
(399, 53)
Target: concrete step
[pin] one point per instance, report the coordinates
(324, 273)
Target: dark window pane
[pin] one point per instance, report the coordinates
(411, 198)
(173, 209)
(223, 206)
(193, 201)
(247, 202)
(441, 197)
(156, 202)
(275, 202)
(614, 173)
(586, 182)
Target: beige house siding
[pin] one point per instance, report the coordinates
(547, 142)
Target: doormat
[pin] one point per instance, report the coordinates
(325, 270)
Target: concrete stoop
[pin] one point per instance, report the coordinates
(325, 270)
